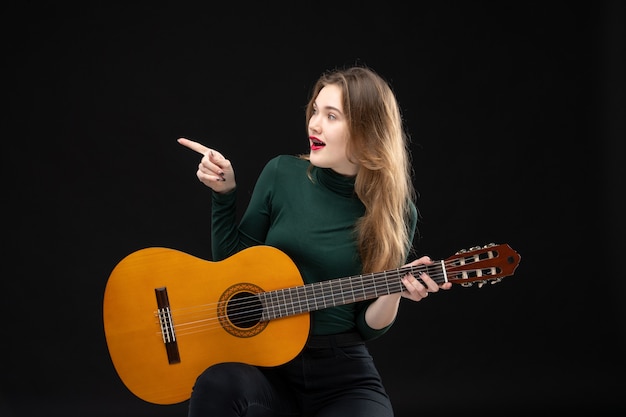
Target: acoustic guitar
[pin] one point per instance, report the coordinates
(169, 315)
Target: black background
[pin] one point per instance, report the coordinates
(516, 112)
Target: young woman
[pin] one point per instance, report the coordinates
(345, 208)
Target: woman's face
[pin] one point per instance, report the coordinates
(328, 132)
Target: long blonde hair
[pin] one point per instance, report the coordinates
(378, 144)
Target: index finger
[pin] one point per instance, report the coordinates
(194, 146)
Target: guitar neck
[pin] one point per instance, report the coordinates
(335, 292)
(489, 263)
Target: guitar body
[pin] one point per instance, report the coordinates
(196, 293)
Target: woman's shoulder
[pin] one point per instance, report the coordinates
(283, 172)
(287, 162)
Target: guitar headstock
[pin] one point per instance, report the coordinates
(489, 263)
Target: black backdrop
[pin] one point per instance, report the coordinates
(516, 112)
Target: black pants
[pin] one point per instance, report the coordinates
(325, 380)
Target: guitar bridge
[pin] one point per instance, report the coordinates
(167, 325)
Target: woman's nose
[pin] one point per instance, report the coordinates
(314, 125)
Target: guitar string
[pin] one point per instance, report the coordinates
(254, 299)
(243, 306)
(189, 320)
(332, 284)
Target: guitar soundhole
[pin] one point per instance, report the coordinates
(240, 310)
(244, 310)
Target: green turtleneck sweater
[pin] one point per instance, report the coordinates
(312, 221)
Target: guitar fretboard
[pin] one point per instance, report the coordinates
(340, 291)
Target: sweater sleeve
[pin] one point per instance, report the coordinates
(364, 329)
(227, 235)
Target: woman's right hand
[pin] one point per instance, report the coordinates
(214, 171)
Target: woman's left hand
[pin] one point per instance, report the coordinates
(416, 290)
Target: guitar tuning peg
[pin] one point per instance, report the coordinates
(474, 248)
(496, 280)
